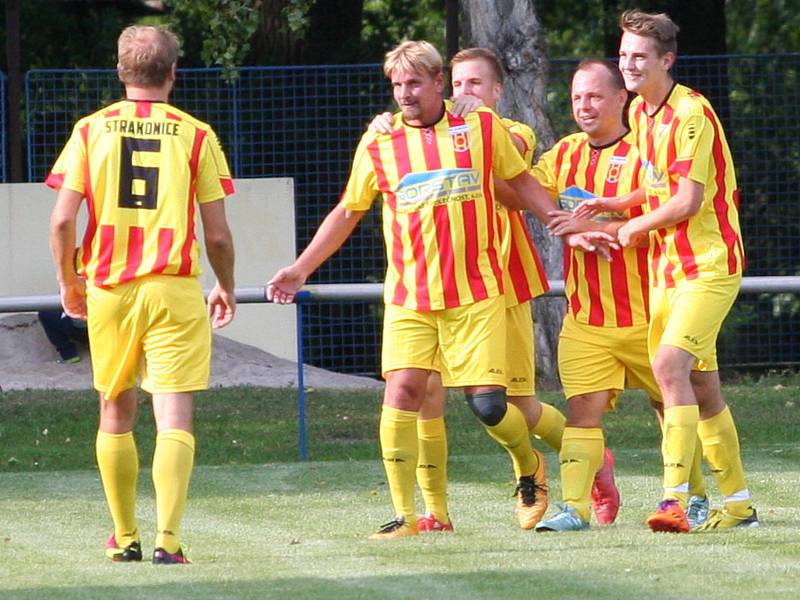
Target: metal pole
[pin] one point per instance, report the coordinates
(302, 441)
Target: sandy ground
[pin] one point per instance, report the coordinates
(28, 361)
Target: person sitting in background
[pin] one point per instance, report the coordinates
(63, 332)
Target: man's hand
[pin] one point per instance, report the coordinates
(630, 235)
(563, 222)
(73, 298)
(598, 242)
(465, 104)
(285, 284)
(221, 306)
(594, 206)
(382, 123)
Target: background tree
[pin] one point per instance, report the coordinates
(513, 30)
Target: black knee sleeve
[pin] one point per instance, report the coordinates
(489, 407)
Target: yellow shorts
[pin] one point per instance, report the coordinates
(470, 342)
(156, 327)
(595, 359)
(520, 363)
(690, 315)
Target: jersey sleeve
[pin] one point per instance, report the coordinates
(362, 186)
(544, 171)
(69, 170)
(213, 176)
(506, 160)
(525, 136)
(694, 139)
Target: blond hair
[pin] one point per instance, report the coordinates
(656, 26)
(418, 57)
(146, 55)
(486, 54)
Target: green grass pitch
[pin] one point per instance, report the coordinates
(261, 524)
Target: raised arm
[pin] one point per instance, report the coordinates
(330, 236)
(528, 195)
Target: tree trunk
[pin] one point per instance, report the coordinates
(512, 29)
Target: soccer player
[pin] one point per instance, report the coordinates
(145, 169)
(696, 261)
(603, 343)
(444, 283)
(478, 73)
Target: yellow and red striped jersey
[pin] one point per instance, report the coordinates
(142, 167)
(440, 222)
(684, 138)
(599, 293)
(525, 277)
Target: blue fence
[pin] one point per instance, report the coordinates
(304, 123)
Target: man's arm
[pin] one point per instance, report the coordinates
(219, 248)
(62, 246)
(332, 233)
(595, 206)
(684, 204)
(528, 195)
(564, 222)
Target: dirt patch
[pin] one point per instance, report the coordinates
(28, 361)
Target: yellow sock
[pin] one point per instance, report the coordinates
(512, 434)
(581, 456)
(550, 426)
(118, 462)
(398, 433)
(677, 450)
(172, 469)
(697, 481)
(721, 448)
(432, 466)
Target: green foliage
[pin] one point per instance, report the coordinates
(223, 29)
(387, 22)
(762, 26)
(572, 33)
(752, 26)
(59, 35)
(296, 14)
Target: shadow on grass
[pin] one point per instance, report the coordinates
(481, 584)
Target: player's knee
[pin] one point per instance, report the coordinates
(489, 407)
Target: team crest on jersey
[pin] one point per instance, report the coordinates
(615, 164)
(612, 175)
(460, 136)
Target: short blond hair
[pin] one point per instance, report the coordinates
(657, 26)
(146, 55)
(418, 57)
(487, 54)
